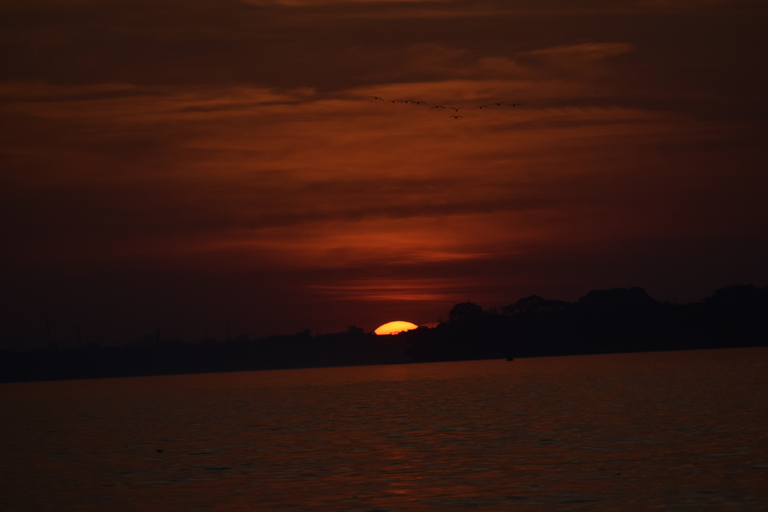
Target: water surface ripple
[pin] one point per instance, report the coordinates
(672, 431)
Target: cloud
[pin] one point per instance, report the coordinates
(318, 3)
(256, 167)
(684, 4)
(421, 290)
(583, 51)
(17, 91)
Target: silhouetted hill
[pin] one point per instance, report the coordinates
(603, 321)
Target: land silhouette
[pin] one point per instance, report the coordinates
(602, 321)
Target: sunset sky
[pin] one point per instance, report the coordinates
(171, 164)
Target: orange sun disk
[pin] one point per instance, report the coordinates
(395, 327)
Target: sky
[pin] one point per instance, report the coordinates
(173, 165)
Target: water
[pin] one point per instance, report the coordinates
(672, 431)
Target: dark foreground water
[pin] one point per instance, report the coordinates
(670, 431)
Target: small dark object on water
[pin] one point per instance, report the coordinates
(510, 358)
(159, 451)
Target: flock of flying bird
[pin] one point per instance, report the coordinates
(455, 115)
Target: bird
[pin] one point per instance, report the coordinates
(494, 104)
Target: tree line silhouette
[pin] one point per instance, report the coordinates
(602, 321)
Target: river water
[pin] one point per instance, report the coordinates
(667, 430)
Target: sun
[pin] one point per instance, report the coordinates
(395, 327)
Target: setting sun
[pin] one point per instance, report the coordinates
(395, 327)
